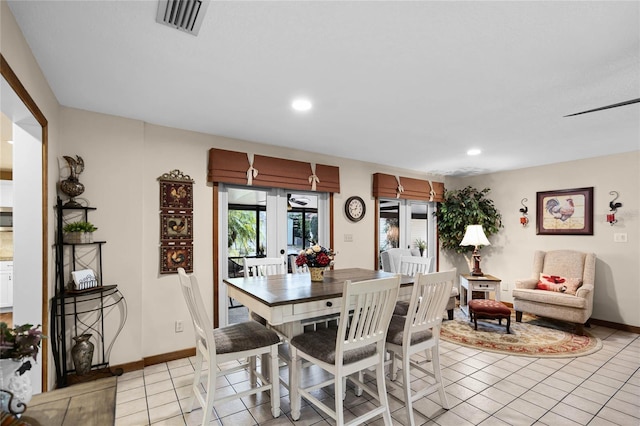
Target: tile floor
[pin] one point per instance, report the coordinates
(483, 388)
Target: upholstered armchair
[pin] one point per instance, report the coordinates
(561, 287)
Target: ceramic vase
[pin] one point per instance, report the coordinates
(317, 274)
(15, 379)
(82, 354)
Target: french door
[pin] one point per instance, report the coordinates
(265, 222)
(405, 223)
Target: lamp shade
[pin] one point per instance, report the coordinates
(474, 236)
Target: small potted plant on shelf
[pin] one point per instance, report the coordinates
(79, 232)
(421, 245)
(18, 346)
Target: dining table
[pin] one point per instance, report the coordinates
(288, 301)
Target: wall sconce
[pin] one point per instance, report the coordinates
(524, 220)
(611, 217)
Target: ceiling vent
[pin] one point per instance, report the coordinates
(185, 15)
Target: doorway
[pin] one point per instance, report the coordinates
(27, 170)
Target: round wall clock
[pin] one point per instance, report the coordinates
(354, 208)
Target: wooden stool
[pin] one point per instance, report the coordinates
(488, 309)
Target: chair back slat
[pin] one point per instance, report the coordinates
(264, 266)
(202, 325)
(429, 298)
(412, 265)
(372, 302)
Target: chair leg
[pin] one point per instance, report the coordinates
(252, 370)
(340, 390)
(394, 366)
(518, 316)
(450, 314)
(406, 387)
(382, 391)
(275, 382)
(211, 393)
(196, 382)
(294, 380)
(435, 353)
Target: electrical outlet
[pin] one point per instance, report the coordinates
(348, 238)
(179, 326)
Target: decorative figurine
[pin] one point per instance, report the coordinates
(71, 186)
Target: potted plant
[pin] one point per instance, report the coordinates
(421, 245)
(79, 232)
(462, 207)
(17, 347)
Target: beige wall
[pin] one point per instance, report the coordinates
(18, 55)
(125, 157)
(617, 293)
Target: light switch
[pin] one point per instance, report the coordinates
(620, 237)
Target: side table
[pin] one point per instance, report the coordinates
(470, 283)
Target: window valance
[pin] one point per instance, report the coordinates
(390, 186)
(248, 169)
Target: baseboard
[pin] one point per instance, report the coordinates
(615, 325)
(155, 359)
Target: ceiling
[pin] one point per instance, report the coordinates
(407, 84)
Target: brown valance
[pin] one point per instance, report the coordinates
(390, 186)
(248, 169)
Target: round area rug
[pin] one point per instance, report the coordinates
(535, 337)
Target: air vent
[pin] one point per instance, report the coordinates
(185, 15)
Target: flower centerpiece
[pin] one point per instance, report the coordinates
(317, 258)
(17, 346)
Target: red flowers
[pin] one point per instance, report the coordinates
(315, 256)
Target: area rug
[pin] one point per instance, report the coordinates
(534, 337)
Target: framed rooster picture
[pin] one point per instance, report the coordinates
(565, 212)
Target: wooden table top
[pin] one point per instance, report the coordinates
(276, 290)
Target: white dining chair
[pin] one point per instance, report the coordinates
(357, 344)
(263, 266)
(419, 331)
(411, 265)
(240, 343)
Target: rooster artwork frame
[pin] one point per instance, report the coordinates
(176, 222)
(565, 212)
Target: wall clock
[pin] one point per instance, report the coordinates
(354, 208)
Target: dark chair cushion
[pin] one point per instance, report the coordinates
(396, 328)
(321, 344)
(243, 337)
(402, 308)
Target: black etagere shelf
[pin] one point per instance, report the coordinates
(77, 312)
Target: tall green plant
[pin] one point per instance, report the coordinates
(462, 207)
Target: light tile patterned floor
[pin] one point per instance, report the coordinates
(483, 388)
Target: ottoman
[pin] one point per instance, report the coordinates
(488, 309)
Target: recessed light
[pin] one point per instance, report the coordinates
(301, 104)
(474, 151)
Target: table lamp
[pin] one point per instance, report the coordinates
(474, 236)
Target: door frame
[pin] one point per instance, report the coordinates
(275, 197)
(14, 82)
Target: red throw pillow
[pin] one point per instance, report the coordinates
(551, 283)
(558, 283)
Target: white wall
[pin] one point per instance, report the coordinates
(510, 257)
